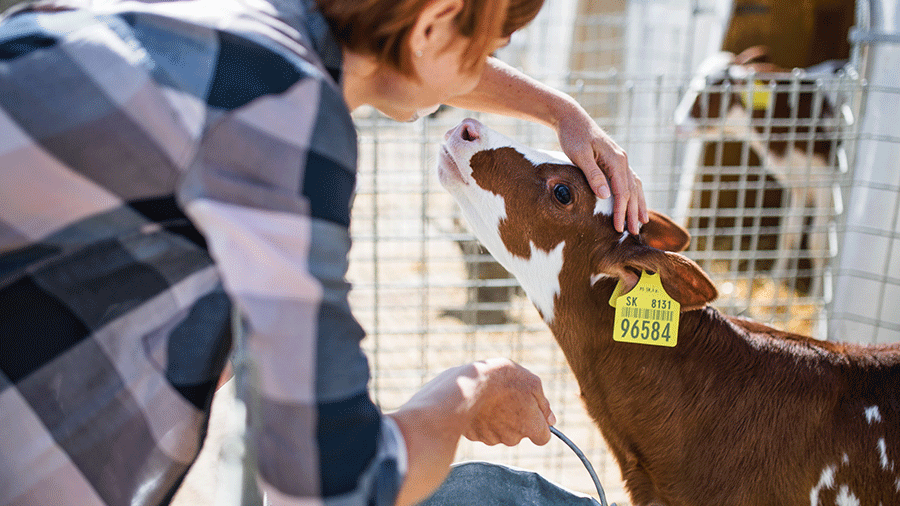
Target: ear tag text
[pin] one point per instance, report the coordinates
(646, 314)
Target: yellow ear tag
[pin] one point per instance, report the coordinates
(761, 95)
(646, 314)
(617, 292)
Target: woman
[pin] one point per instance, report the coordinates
(161, 161)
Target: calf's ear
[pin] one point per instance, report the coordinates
(681, 277)
(663, 233)
(754, 54)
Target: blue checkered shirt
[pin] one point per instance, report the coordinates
(161, 163)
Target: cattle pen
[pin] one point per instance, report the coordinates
(430, 298)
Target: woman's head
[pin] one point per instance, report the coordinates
(384, 29)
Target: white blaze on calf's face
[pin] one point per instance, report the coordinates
(502, 188)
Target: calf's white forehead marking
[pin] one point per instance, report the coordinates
(603, 206)
(492, 139)
(539, 156)
(873, 414)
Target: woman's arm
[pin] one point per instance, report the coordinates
(495, 401)
(504, 90)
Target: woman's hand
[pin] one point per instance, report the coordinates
(605, 164)
(508, 405)
(495, 401)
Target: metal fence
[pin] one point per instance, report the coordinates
(866, 306)
(768, 230)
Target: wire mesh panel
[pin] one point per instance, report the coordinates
(762, 184)
(866, 307)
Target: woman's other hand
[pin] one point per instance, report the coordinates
(507, 404)
(494, 401)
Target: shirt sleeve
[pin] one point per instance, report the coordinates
(270, 189)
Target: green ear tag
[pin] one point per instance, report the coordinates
(646, 314)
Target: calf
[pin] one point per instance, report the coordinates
(736, 413)
(790, 124)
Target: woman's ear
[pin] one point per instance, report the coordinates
(435, 27)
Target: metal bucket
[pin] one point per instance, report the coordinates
(486, 484)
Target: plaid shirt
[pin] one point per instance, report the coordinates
(159, 162)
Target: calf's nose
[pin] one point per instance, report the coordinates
(469, 130)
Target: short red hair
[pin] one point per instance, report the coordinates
(381, 28)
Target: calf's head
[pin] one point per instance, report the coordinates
(736, 86)
(536, 214)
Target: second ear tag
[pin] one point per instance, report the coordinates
(646, 314)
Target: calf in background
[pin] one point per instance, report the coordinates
(736, 413)
(790, 123)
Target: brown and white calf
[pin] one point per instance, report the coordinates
(789, 121)
(736, 413)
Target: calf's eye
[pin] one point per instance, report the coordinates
(562, 193)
